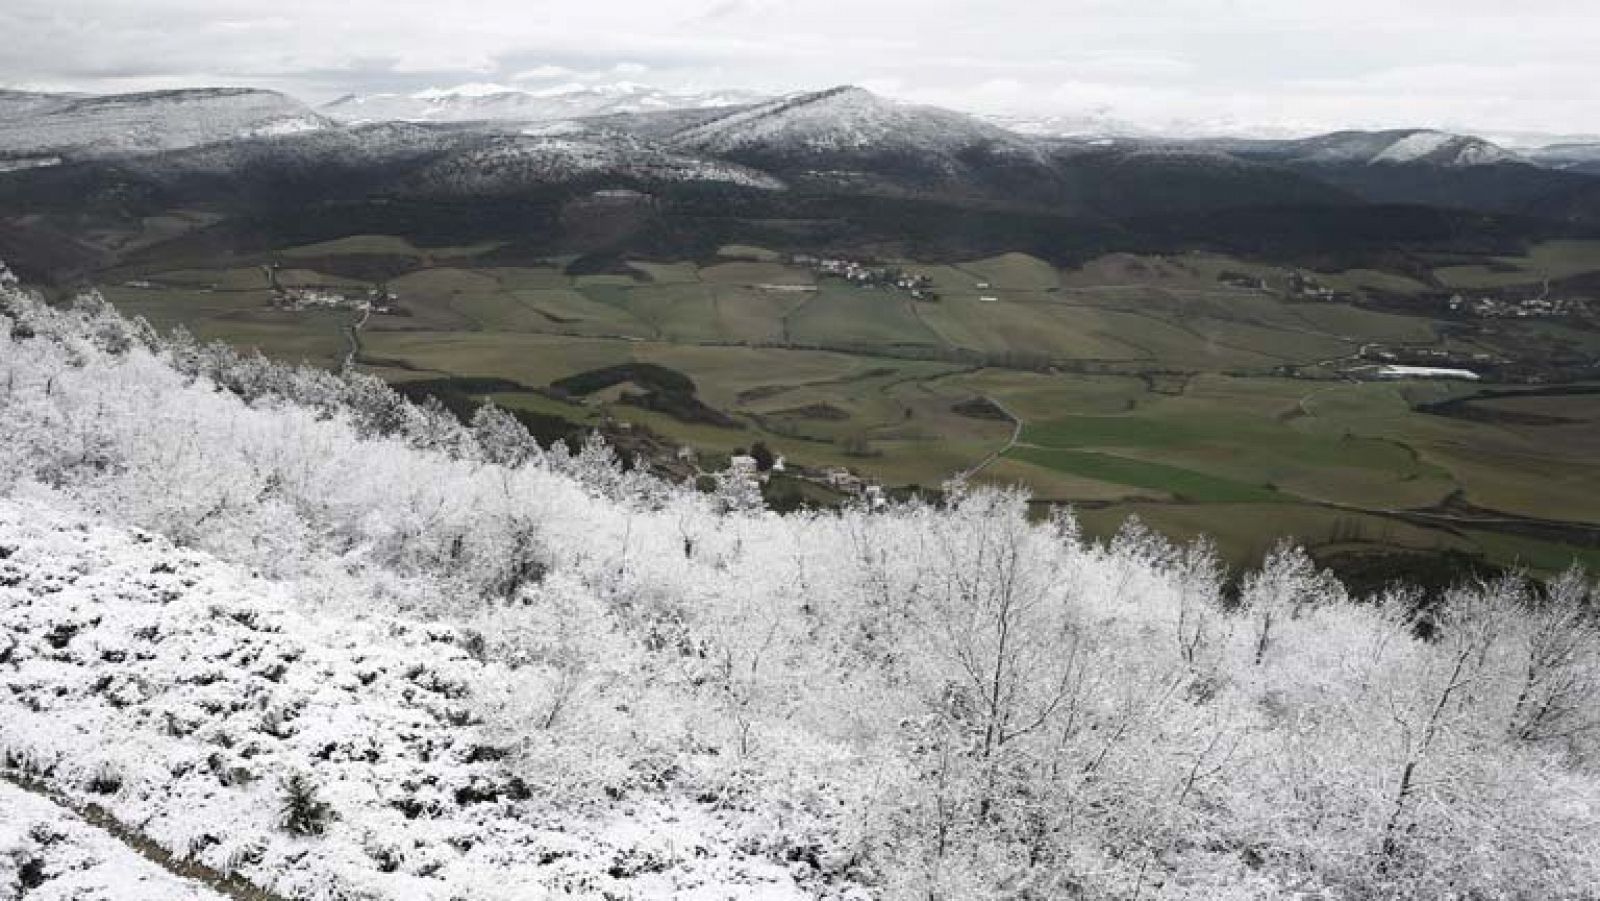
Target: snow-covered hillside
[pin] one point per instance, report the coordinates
(418, 159)
(468, 103)
(511, 163)
(845, 120)
(285, 623)
(1444, 150)
(1577, 157)
(87, 127)
(16, 104)
(178, 694)
(48, 853)
(1389, 147)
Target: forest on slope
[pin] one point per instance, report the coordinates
(288, 624)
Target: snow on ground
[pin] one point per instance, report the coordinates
(1425, 372)
(126, 124)
(1414, 147)
(850, 119)
(475, 102)
(177, 692)
(49, 854)
(1444, 149)
(34, 162)
(513, 163)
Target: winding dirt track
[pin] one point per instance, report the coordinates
(1016, 435)
(225, 884)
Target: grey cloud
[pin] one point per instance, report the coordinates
(1358, 62)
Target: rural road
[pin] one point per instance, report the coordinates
(1016, 435)
(353, 335)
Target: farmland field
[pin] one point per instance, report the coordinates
(1195, 391)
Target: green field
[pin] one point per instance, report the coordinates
(1553, 259)
(1143, 385)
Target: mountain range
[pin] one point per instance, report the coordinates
(835, 166)
(75, 126)
(467, 103)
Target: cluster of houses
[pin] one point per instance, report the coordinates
(1420, 362)
(1425, 356)
(1532, 308)
(310, 298)
(843, 480)
(838, 478)
(920, 287)
(1242, 280)
(1300, 285)
(1306, 287)
(377, 299)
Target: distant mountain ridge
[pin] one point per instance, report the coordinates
(97, 127)
(1395, 146)
(469, 103)
(1571, 157)
(842, 163)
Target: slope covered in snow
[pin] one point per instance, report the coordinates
(507, 164)
(17, 104)
(845, 120)
(213, 686)
(48, 853)
(422, 160)
(495, 102)
(847, 139)
(1406, 146)
(1575, 157)
(283, 622)
(86, 127)
(1443, 149)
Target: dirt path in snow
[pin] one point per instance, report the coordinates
(227, 885)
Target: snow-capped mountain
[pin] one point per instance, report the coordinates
(812, 153)
(479, 102)
(849, 139)
(1403, 146)
(1577, 157)
(358, 163)
(89, 127)
(1432, 147)
(1416, 166)
(1105, 123)
(844, 120)
(1087, 125)
(16, 104)
(510, 163)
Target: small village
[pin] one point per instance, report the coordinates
(920, 287)
(1532, 308)
(377, 299)
(1376, 361)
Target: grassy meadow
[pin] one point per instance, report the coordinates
(1142, 385)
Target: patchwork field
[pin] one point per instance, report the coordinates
(1200, 392)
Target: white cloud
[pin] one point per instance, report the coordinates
(543, 73)
(1358, 62)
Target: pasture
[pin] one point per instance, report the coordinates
(1148, 385)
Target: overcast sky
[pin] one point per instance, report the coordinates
(1492, 65)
